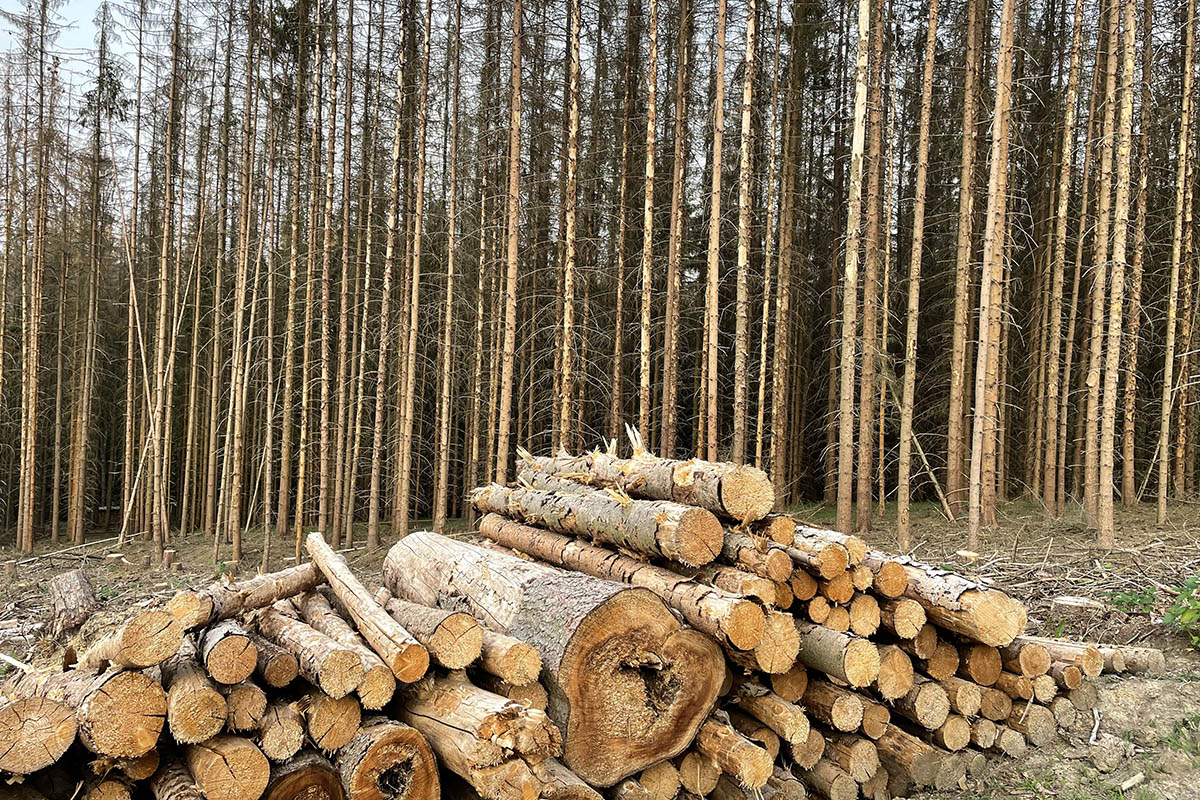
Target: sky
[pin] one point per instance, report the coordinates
(78, 35)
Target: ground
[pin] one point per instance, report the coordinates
(1149, 725)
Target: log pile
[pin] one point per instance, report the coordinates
(626, 628)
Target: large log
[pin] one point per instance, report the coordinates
(403, 654)
(196, 711)
(337, 670)
(34, 733)
(228, 768)
(725, 616)
(842, 656)
(739, 492)
(146, 639)
(388, 760)
(72, 601)
(306, 776)
(378, 684)
(118, 712)
(227, 652)
(964, 606)
(647, 683)
(198, 607)
(660, 528)
(453, 639)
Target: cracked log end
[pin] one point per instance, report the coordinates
(639, 687)
(777, 647)
(698, 538)
(228, 768)
(34, 733)
(124, 715)
(150, 638)
(747, 493)
(332, 722)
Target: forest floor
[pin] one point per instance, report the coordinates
(1149, 725)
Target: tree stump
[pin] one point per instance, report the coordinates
(72, 601)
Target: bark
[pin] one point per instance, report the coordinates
(845, 657)
(965, 607)
(196, 711)
(514, 596)
(198, 608)
(378, 684)
(453, 639)
(173, 781)
(712, 272)
(323, 662)
(276, 666)
(72, 601)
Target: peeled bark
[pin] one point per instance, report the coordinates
(228, 768)
(963, 606)
(196, 711)
(118, 712)
(72, 601)
(388, 760)
(337, 670)
(720, 614)
(146, 639)
(34, 733)
(839, 655)
(739, 492)
(196, 608)
(378, 684)
(658, 528)
(606, 647)
(228, 653)
(306, 776)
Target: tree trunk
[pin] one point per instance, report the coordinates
(388, 760)
(72, 601)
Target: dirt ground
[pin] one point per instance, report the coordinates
(1148, 737)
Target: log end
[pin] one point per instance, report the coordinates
(908, 618)
(410, 663)
(196, 712)
(150, 638)
(895, 673)
(747, 493)
(890, 580)
(389, 761)
(191, 609)
(520, 664)
(232, 659)
(861, 662)
(377, 687)
(228, 768)
(457, 641)
(124, 715)
(341, 673)
(332, 722)
(780, 642)
(34, 733)
(698, 538)
(778, 565)
(308, 776)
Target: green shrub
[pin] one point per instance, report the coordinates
(1184, 613)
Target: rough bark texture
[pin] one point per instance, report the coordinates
(72, 601)
(378, 684)
(221, 601)
(963, 606)
(173, 781)
(453, 639)
(614, 650)
(323, 662)
(659, 528)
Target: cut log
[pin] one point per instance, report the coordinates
(629, 789)
(833, 705)
(509, 659)
(337, 670)
(403, 654)
(1018, 687)
(862, 577)
(118, 712)
(72, 601)
(1114, 659)
(895, 672)
(864, 615)
(980, 663)
(733, 580)
(1009, 742)
(783, 595)
(532, 695)
(1028, 659)
(808, 754)
(965, 697)
(196, 711)
(995, 704)
(196, 608)
(727, 617)
(698, 773)
(736, 491)
(1085, 656)
(145, 640)
(818, 610)
(944, 662)
(890, 580)
(756, 731)
(245, 705)
(786, 719)
(842, 656)
(983, 733)
(306, 776)
(1064, 712)
(378, 684)
(34, 733)
(647, 683)
(876, 719)
(925, 704)
(830, 781)
(1143, 659)
(785, 785)
(780, 643)
(453, 639)
(1035, 722)
(734, 753)
(804, 586)
(661, 780)
(954, 734)
(744, 552)
(228, 768)
(838, 589)
(838, 619)
(858, 757)
(821, 559)
(331, 721)
(136, 769)
(856, 549)
(388, 760)
(903, 754)
(276, 666)
(1044, 689)
(173, 781)
(1067, 676)
(227, 652)
(559, 783)
(779, 528)
(925, 643)
(876, 788)
(660, 528)
(108, 787)
(902, 617)
(790, 685)
(281, 731)
(1085, 696)
(964, 606)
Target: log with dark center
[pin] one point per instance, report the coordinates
(388, 760)
(646, 682)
